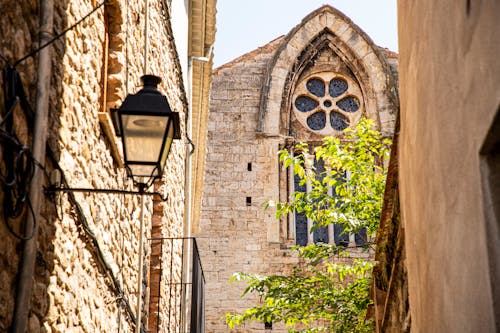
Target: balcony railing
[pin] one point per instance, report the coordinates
(177, 287)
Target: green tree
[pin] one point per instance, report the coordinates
(323, 295)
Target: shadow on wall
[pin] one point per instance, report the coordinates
(490, 171)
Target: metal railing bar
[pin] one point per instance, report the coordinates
(158, 317)
(171, 278)
(181, 307)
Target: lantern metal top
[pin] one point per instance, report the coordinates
(149, 101)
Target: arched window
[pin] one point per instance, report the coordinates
(332, 234)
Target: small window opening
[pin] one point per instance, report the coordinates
(249, 201)
(268, 325)
(249, 166)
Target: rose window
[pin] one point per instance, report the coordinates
(327, 103)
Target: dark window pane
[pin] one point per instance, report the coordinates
(305, 104)
(317, 121)
(340, 238)
(296, 184)
(360, 237)
(349, 104)
(319, 165)
(320, 235)
(316, 87)
(337, 87)
(301, 229)
(339, 122)
(300, 218)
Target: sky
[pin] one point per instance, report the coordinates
(244, 25)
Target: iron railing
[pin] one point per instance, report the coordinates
(177, 287)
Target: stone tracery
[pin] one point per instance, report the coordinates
(327, 102)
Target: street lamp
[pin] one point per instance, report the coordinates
(147, 126)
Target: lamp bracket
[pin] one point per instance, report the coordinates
(54, 189)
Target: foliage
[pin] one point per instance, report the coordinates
(355, 170)
(324, 296)
(311, 296)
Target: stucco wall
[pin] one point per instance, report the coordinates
(450, 93)
(72, 291)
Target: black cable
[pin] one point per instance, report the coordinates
(32, 53)
(10, 111)
(15, 233)
(2, 57)
(95, 245)
(100, 256)
(16, 183)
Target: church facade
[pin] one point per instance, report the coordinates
(316, 81)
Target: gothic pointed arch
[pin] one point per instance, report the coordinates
(325, 75)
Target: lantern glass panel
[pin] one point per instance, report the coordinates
(143, 170)
(143, 137)
(168, 144)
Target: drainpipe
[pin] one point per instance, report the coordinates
(27, 262)
(187, 252)
(140, 271)
(187, 197)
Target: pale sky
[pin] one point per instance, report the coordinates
(244, 25)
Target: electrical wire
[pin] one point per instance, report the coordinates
(95, 245)
(80, 214)
(51, 41)
(18, 235)
(16, 184)
(2, 57)
(8, 113)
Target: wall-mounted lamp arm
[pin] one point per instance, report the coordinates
(53, 189)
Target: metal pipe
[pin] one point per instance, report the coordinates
(187, 182)
(187, 185)
(188, 178)
(27, 262)
(140, 270)
(146, 36)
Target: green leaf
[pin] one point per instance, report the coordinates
(323, 294)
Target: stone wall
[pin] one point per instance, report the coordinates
(74, 290)
(233, 233)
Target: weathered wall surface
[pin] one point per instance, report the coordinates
(233, 235)
(450, 93)
(72, 290)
